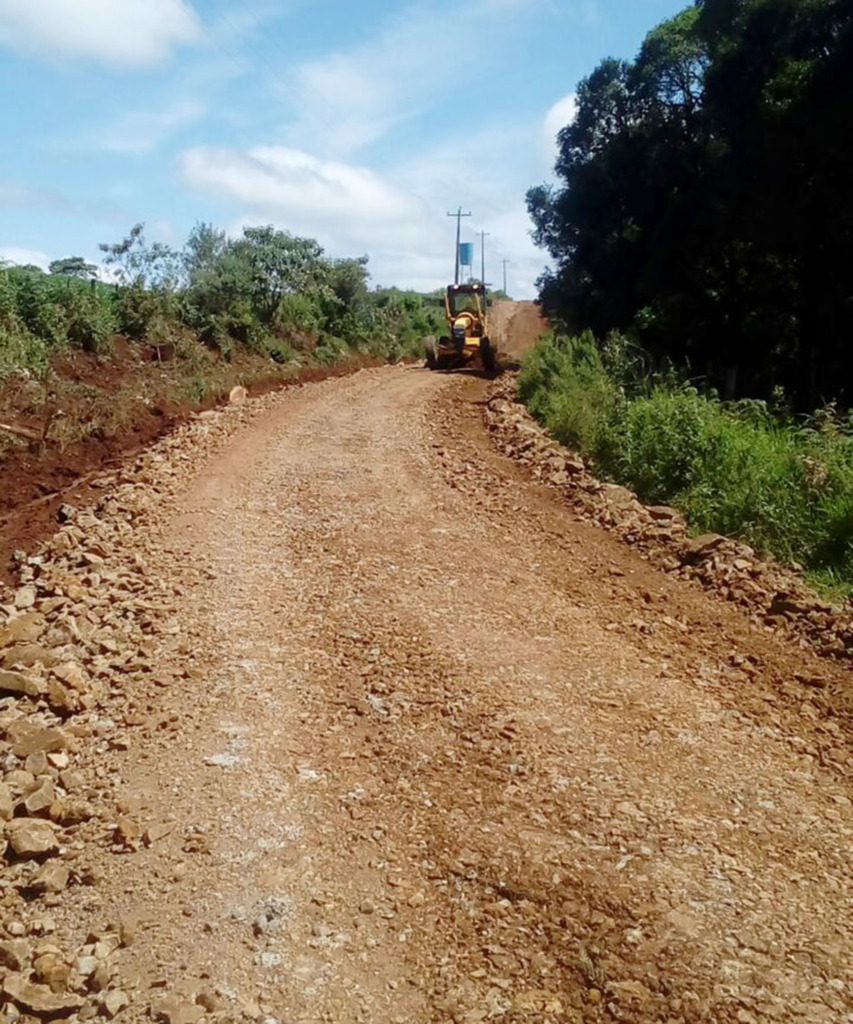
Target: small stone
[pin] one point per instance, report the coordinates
(70, 673)
(85, 966)
(36, 763)
(19, 781)
(25, 597)
(209, 1001)
(101, 977)
(107, 945)
(172, 1009)
(38, 999)
(6, 804)
(62, 699)
(26, 629)
(40, 799)
(18, 683)
(27, 738)
(14, 954)
(71, 780)
(27, 656)
(51, 970)
(31, 837)
(53, 877)
(154, 833)
(114, 1002)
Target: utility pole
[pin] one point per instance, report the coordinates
(458, 215)
(483, 235)
(505, 263)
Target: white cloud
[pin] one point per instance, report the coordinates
(349, 99)
(561, 114)
(308, 195)
(312, 184)
(136, 133)
(121, 32)
(22, 257)
(399, 218)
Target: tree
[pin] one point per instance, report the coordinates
(205, 246)
(73, 266)
(703, 201)
(278, 264)
(138, 264)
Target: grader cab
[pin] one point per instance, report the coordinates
(467, 323)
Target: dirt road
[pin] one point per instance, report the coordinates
(416, 746)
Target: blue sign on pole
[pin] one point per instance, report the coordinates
(466, 254)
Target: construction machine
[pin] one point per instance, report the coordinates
(467, 323)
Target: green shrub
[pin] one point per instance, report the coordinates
(21, 352)
(89, 320)
(784, 488)
(331, 350)
(40, 314)
(137, 309)
(574, 408)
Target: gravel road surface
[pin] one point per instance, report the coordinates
(407, 742)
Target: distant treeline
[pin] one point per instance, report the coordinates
(268, 292)
(705, 199)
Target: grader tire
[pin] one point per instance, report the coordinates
(430, 353)
(488, 356)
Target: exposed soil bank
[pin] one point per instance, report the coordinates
(39, 473)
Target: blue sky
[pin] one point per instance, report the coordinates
(358, 123)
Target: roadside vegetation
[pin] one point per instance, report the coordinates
(267, 294)
(702, 223)
(703, 199)
(746, 468)
(108, 365)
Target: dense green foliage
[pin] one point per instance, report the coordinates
(268, 292)
(42, 313)
(739, 468)
(705, 203)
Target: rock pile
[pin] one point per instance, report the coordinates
(86, 620)
(772, 594)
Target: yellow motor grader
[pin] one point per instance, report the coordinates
(465, 310)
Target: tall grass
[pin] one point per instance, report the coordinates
(784, 487)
